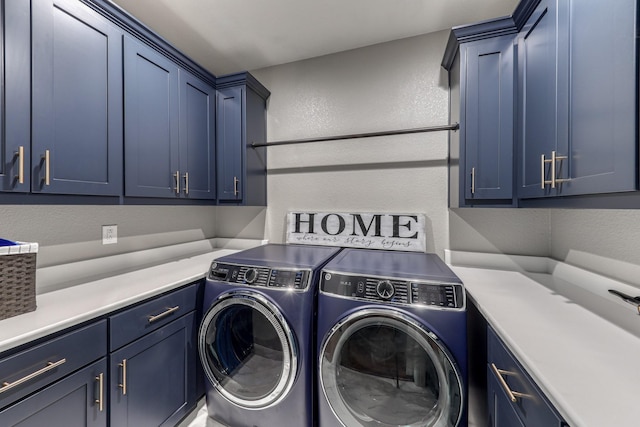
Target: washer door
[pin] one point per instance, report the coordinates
(248, 351)
(382, 368)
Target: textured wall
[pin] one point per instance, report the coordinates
(74, 232)
(396, 85)
(606, 241)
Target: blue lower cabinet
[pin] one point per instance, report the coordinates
(78, 400)
(501, 411)
(514, 399)
(153, 379)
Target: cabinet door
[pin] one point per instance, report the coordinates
(537, 97)
(153, 379)
(197, 137)
(230, 143)
(501, 412)
(600, 41)
(151, 122)
(78, 400)
(15, 97)
(77, 100)
(488, 85)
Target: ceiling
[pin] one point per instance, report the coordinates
(227, 36)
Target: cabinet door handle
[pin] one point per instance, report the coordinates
(123, 384)
(473, 180)
(513, 395)
(186, 183)
(557, 158)
(20, 154)
(235, 186)
(47, 163)
(543, 162)
(163, 314)
(6, 386)
(100, 399)
(177, 178)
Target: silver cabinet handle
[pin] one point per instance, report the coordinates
(163, 314)
(177, 178)
(6, 386)
(553, 161)
(186, 183)
(473, 180)
(123, 384)
(100, 400)
(235, 186)
(513, 395)
(47, 158)
(20, 154)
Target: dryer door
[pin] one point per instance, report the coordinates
(248, 351)
(379, 367)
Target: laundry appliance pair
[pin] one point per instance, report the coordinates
(385, 348)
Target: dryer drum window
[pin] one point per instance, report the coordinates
(247, 350)
(382, 368)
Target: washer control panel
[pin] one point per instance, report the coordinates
(285, 278)
(379, 289)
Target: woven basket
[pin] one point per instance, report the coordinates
(17, 284)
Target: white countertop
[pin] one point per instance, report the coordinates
(70, 306)
(588, 367)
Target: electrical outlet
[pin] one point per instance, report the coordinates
(109, 234)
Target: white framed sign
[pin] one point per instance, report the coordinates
(390, 231)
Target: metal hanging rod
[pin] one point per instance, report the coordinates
(454, 126)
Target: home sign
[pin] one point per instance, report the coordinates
(390, 231)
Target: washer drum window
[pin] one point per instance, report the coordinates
(248, 351)
(379, 367)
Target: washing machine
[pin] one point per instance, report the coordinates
(256, 339)
(391, 341)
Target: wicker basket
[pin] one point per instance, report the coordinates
(18, 280)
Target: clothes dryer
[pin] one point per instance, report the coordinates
(391, 341)
(256, 339)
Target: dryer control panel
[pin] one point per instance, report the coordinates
(285, 278)
(380, 289)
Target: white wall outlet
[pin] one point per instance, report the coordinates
(109, 234)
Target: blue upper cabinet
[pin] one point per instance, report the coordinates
(481, 62)
(151, 152)
(577, 93)
(197, 137)
(241, 122)
(169, 128)
(537, 95)
(76, 100)
(230, 137)
(487, 132)
(15, 96)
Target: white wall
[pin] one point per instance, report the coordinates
(395, 85)
(606, 241)
(74, 232)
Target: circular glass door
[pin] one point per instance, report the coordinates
(248, 351)
(382, 368)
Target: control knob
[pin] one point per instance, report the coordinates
(251, 275)
(385, 289)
